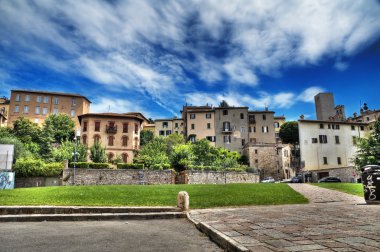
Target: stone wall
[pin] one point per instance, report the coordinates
(117, 177)
(216, 177)
(345, 174)
(37, 182)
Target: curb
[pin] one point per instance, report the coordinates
(218, 237)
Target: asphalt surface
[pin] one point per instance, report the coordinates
(138, 235)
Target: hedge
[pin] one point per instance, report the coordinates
(37, 168)
(130, 166)
(215, 168)
(90, 165)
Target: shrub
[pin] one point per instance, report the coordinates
(80, 164)
(99, 166)
(130, 166)
(36, 168)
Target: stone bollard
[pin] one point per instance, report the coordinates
(183, 201)
(66, 163)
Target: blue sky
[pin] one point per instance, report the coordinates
(155, 56)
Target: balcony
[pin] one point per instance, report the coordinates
(226, 130)
(111, 129)
(252, 120)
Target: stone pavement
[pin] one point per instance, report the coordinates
(332, 221)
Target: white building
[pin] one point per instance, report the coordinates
(328, 148)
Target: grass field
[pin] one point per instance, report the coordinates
(351, 188)
(201, 196)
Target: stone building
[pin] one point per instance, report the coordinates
(4, 110)
(118, 133)
(38, 105)
(166, 127)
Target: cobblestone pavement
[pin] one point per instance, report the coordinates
(333, 221)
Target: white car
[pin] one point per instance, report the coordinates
(268, 180)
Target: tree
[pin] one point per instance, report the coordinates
(173, 140)
(289, 133)
(60, 127)
(153, 154)
(19, 149)
(368, 152)
(182, 156)
(26, 131)
(98, 153)
(66, 151)
(145, 137)
(204, 153)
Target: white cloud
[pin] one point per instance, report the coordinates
(308, 94)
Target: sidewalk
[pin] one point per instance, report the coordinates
(333, 221)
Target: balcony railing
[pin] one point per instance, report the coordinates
(226, 130)
(111, 129)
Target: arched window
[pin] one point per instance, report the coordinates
(110, 140)
(136, 128)
(84, 139)
(125, 157)
(124, 140)
(110, 157)
(96, 138)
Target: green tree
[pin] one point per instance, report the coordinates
(182, 156)
(173, 140)
(153, 154)
(289, 133)
(145, 137)
(5, 132)
(60, 127)
(19, 149)
(98, 153)
(368, 152)
(26, 131)
(204, 153)
(66, 150)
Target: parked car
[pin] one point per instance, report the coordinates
(268, 180)
(296, 179)
(329, 179)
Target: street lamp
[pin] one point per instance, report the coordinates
(77, 135)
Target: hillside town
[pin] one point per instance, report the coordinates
(326, 146)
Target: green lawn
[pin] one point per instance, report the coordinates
(201, 196)
(351, 188)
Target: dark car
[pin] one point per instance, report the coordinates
(296, 179)
(329, 179)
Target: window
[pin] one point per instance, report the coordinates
(168, 132)
(55, 111)
(256, 161)
(322, 138)
(125, 157)
(110, 140)
(337, 140)
(352, 127)
(354, 141)
(124, 141)
(162, 132)
(110, 157)
(226, 126)
(192, 138)
(252, 140)
(27, 98)
(37, 110)
(192, 116)
(26, 109)
(276, 125)
(314, 140)
(256, 151)
(210, 138)
(241, 115)
(321, 126)
(176, 125)
(225, 112)
(208, 115)
(243, 142)
(165, 124)
(192, 126)
(227, 139)
(72, 113)
(254, 129)
(44, 111)
(367, 118)
(17, 109)
(56, 100)
(264, 117)
(329, 126)
(85, 126)
(339, 160)
(73, 101)
(46, 99)
(252, 118)
(361, 127)
(97, 126)
(277, 135)
(136, 128)
(265, 129)
(84, 139)
(125, 127)
(324, 160)
(337, 126)
(18, 97)
(38, 98)
(208, 125)
(242, 129)
(96, 139)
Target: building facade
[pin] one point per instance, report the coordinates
(166, 127)
(38, 105)
(118, 133)
(4, 110)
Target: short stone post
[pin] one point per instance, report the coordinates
(66, 163)
(183, 201)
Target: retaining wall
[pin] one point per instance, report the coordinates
(216, 177)
(37, 182)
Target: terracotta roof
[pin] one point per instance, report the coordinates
(260, 111)
(51, 93)
(113, 115)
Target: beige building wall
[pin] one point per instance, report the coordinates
(166, 127)
(231, 127)
(201, 125)
(261, 127)
(36, 106)
(286, 162)
(278, 121)
(4, 110)
(150, 126)
(125, 139)
(317, 155)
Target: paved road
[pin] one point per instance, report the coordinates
(149, 235)
(338, 222)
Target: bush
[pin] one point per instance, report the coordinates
(36, 168)
(80, 164)
(90, 165)
(130, 166)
